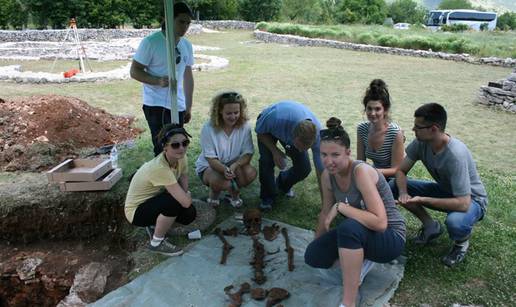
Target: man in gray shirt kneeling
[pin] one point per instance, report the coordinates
(457, 189)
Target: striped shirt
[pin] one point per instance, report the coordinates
(382, 157)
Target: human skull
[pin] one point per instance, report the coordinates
(253, 221)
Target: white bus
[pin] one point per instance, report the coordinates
(474, 19)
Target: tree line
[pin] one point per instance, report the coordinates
(55, 14)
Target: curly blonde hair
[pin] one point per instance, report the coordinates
(218, 103)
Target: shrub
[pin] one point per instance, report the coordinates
(216, 9)
(365, 38)
(507, 21)
(262, 25)
(389, 40)
(407, 11)
(259, 10)
(458, 27)
(367, 12)
(417, 42)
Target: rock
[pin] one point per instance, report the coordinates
(512, 77)
(41, 138)
(88, 285)
(27, 269)
(508, 85)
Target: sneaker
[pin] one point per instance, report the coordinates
(367, 265)
(266, 204)
(166, 248)
(425, 236)
(290, 193)
(236, 203)
(456, 254)
(150, 231)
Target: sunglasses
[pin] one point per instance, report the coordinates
(178, 57)
(416, 127)
(233, 96)
(176, 145)
(331, 134)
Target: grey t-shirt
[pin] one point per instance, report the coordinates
(453, 168)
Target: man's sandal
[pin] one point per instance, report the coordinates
(236, 203)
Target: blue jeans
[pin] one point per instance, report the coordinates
(286, 179)
(380, 247)
(459, 224)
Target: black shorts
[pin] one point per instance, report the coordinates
(163, 203)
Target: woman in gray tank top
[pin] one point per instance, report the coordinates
(372, 230)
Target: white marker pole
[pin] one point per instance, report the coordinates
(171, 60)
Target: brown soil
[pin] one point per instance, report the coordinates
(40, 131)
(54, 276)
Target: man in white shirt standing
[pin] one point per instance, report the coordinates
(150, 67)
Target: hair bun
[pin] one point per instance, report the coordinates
(377, 86)
(333, 123)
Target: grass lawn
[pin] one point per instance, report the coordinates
(331, 82)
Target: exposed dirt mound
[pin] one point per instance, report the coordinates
(40, 131)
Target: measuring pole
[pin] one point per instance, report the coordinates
(171, 60)
(73, 25)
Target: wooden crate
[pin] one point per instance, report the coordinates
(104, 183)
(79, 170)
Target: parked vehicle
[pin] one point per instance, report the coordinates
(476, 20)
(402, 26)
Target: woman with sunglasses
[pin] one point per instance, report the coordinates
(372, 228)
(226, 149)
(379, 139)
(158, 195)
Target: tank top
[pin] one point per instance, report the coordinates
(394, 218)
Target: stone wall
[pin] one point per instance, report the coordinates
(500, 94)
(318, 42)
(84, 34)
(226, 24)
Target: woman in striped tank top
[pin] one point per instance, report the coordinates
(372, 229)
(378, 139)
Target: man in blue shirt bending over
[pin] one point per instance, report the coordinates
(296, 128)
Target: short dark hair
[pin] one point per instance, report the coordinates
(433, 113)
(182, 8)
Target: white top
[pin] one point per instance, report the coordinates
(215, 143)
(152, 53)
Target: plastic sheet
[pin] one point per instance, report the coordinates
(197, 279)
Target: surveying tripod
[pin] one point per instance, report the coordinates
(79, 47)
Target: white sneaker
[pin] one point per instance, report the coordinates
(290, 193)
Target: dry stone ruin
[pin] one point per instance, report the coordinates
(501, 94)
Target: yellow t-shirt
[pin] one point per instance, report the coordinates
(150, 180)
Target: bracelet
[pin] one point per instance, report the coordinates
(337, 206)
